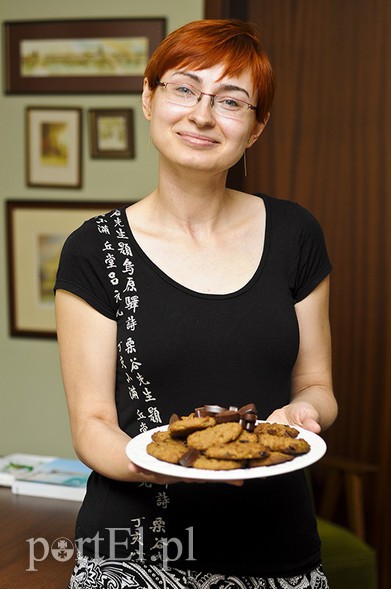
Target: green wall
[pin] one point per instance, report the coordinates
(33, 414)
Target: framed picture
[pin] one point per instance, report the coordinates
(101, 56)
(36, 233)
(111, 133)
(53, 147)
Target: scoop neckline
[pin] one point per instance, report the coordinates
(195, 293)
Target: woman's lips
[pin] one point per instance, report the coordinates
(195, 139)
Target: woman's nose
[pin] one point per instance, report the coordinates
(202, 113)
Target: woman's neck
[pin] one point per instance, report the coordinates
(191, 197)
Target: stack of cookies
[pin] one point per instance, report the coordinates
(202, 441)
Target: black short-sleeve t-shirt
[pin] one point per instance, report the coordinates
(179, 349)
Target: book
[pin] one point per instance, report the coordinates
(60, 478)
(17, 465)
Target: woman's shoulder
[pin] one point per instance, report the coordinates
(279, 203)
(90, 231)
(287, 210)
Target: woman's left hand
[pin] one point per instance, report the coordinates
(298, 413)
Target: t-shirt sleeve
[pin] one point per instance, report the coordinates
(81, 269)
(313, 263)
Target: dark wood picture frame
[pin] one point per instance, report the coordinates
(36, 231)
(111, 133)
(36, 61)
(53, 147)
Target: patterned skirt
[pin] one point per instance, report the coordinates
(103, 573)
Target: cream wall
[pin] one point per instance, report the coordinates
(33, 415)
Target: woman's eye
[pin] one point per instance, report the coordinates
(229, 103)
(183, 90)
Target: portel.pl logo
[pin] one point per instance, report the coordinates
(61, 549)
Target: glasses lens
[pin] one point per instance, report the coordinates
(182, 94)
(230, 107)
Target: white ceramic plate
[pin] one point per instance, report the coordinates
(136, 452)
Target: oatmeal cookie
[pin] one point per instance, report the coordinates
(167, 452)
(272, 458)
(181, 428)
(276, 429)
(246, 436)
(164, 437)
(213, 464)
(214, 436)
(287, 445)
(237, 451)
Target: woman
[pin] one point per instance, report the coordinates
(195, 294)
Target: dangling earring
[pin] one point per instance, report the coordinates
(245, 163)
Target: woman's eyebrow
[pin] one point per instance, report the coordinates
(226, 87)
(234, 88)
(194, 77)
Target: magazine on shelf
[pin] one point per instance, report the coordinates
(60, 479)
(17, 465)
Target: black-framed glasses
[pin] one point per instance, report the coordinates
(188, 95)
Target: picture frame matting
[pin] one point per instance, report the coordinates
(53, 147)
(36, 232)
(111, 133)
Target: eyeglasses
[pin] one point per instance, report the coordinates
(188, 95)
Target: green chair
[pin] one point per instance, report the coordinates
(348, 561)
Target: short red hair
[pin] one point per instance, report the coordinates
(204, 43)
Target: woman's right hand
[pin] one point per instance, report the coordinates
(141, 475)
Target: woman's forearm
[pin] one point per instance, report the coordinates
(322, 399)
(101, 446)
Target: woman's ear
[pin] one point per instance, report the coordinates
(257, 131)
(146, 100)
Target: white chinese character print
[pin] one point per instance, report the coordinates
(130, 285)
(158, 525)
(141, 379)
(143, 427)
(134, 365)
(128, 267)
(124, 249)
(154, 415)
(121, 234)
(130, 346)
(103, 229)
(131, 323)
(148, 395)
(113, 279)
(133, 394)
(140, 415)
(162, 499)
(110, 261)
(132, 303)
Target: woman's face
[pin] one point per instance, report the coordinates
(201, 137)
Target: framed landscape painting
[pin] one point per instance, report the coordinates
(53, 147)
(111, 133)
(36, 233)
(71, 56)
